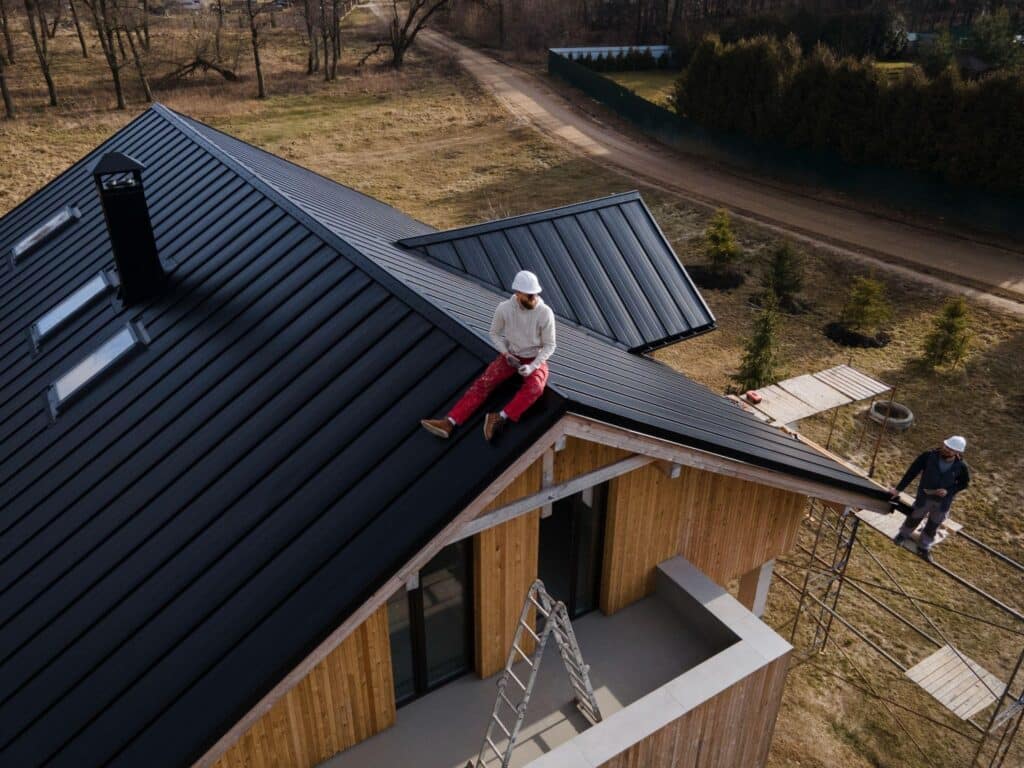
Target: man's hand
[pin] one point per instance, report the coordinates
(893, 492)
(940, 492)
(526, 370)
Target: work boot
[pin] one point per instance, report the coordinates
(925, 554)
(898, 539)
(492, 425)
(440, 427)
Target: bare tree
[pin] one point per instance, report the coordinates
(218, 32)
(311, 16)
(105, 21)
(253, 9)
(403, 32)
(34, 14)
(4, 92)
(139, 68)
(78, 29)
(51, 30)
(7, 32)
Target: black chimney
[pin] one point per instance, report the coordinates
(119, 182)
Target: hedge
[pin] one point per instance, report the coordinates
(962, 132)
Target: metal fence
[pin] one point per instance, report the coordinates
(892, 188)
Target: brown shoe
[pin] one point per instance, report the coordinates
(440, 427)
(492, 425)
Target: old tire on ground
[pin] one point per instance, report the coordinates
(900, 417)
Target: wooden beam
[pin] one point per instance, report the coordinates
(560, 444)
(671, 469)
(552, 494)
(392, 585)
(636, 442)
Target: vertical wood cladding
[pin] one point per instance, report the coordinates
(504, 567)
(346, 698)
(729, 730)
(722, 525)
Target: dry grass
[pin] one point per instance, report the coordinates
(429, 142)
(656, 86)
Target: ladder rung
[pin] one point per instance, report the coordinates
(508, 701)
(501, 725)
(494, 748)
(513, 676)
(544, 611)
(533, 634)
(523, 654)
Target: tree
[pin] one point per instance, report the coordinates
(939, 55)
(950, 336)
(8, 39)
(104, 19)
(784, 277)
(4, 91)
(78, 28)
(720, 246)
(757, 369)
(253, 9)
(403, 31)
(992, 38)
(866, 307)
(35, 14)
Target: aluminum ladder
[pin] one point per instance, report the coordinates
(556, 622)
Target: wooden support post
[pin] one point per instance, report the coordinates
(547, 479)
(560, 444)
(754, 586)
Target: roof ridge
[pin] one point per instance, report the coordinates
(441, 319)
(521, 219)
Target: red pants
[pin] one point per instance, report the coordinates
(498, 371)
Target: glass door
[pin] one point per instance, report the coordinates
(572, 547)
(431, 626)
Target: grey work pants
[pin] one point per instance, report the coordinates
(932, 509)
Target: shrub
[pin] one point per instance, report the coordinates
(784, 277)
(992, 39)
(939, 55)
(950, 336)
(866, 307)
(720, 246)
(757, 369)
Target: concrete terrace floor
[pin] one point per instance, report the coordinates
(630, 654)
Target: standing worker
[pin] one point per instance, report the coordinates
(523, 332)
(944, 473)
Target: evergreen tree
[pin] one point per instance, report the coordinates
(757, 368)
(720, 246)
(947, 343)
(939, 55)
(784, 277)
(866, 307)
(992, 38)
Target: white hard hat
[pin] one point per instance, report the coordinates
(955, 443)
(526, 282)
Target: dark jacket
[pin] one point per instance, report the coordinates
(954, 479)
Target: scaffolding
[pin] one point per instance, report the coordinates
(818, 576)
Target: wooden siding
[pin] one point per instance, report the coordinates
(504, 567)
(723, 525)
(347, 697)
(731, 729)
(580, 456)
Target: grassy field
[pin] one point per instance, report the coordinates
(657, 86)
(429, 142)
(893, 70)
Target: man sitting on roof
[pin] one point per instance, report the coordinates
(944, 474)
(523, 331)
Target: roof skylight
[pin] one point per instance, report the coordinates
(49, 227)
(93, 365)
(71, 306)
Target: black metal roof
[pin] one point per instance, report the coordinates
(604, 264)
(190, 527)
(186, 531)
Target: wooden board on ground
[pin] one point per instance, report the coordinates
(815, 392)
(888, 525)
(959, 684)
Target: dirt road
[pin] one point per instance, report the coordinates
(940, 258)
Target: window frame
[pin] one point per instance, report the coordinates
(43, 232)
(58, 402)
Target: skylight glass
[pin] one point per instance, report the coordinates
(73, 304)
(108, 353)
(60, 219)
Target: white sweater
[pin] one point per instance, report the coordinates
(523, 332)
